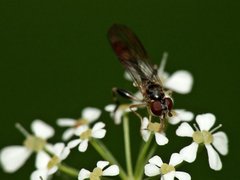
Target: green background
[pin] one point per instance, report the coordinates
(55, 60)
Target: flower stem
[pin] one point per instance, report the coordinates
(107, 155)
(22, 129)
(141, 157)
(152, 150)
(127, 146)
(68, 170)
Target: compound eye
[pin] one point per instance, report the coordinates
(156, 108)
(168, 103)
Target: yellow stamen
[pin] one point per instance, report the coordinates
(202, 137)
(34, 143)
(154, 127)
(53, 162)
(165, 168)
(86, 135)
(96, 174)
(81, 122)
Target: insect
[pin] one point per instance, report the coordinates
(135, 60)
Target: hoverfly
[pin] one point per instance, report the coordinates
(135, 60)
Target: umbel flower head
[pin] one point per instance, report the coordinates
(99, 171)
(204, 136)
(89, 115)
(167, 171)
(85, 134)
(48, 163)
(13, 157)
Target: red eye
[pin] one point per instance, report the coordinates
(169, 103)
(156, 108)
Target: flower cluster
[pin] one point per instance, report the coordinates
(85, 131)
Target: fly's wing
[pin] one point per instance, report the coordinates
(132, 54)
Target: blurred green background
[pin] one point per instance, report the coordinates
(55, 60)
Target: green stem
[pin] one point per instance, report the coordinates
(143, 163)
(141, 157)
(127, 146)
(22, 129)
(68, 170)
(107, 155)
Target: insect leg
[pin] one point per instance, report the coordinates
(123, 93)
(132, 106)
(162, 123)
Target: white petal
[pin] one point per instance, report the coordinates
(65, 153)
(145, 123)
(98, 126)
(181, 115)
(156, 160)
(118, 116)
(58, 149)
(42, 160)
(184, 130)
(83, 174)
(181, 82)
(205, 121)
(52, 170)
(73, 143)
(189, 152)
(182, 175)
(151, 170)
(161, 139)
(49, 147)
(169, 176)
(36, 175)
(65, 122)
(110, 107)
(83, 146)
(214, 160)
(175, 159)
(174, 120)
(102, 164)
(220, 142)
(13, 157)
(41, 129)
(99, 134)
(145, 134)
(68, 133)
(91, 114)
(111, 171)
(81, 129)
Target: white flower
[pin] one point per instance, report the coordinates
(13, 157)
(48, 165)
(180, 115)
(180, 81)
(85, 134)
(120, 111)
(100, 170)
(167, 171)
(204, 136)
(88, 116)
(148, 127)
